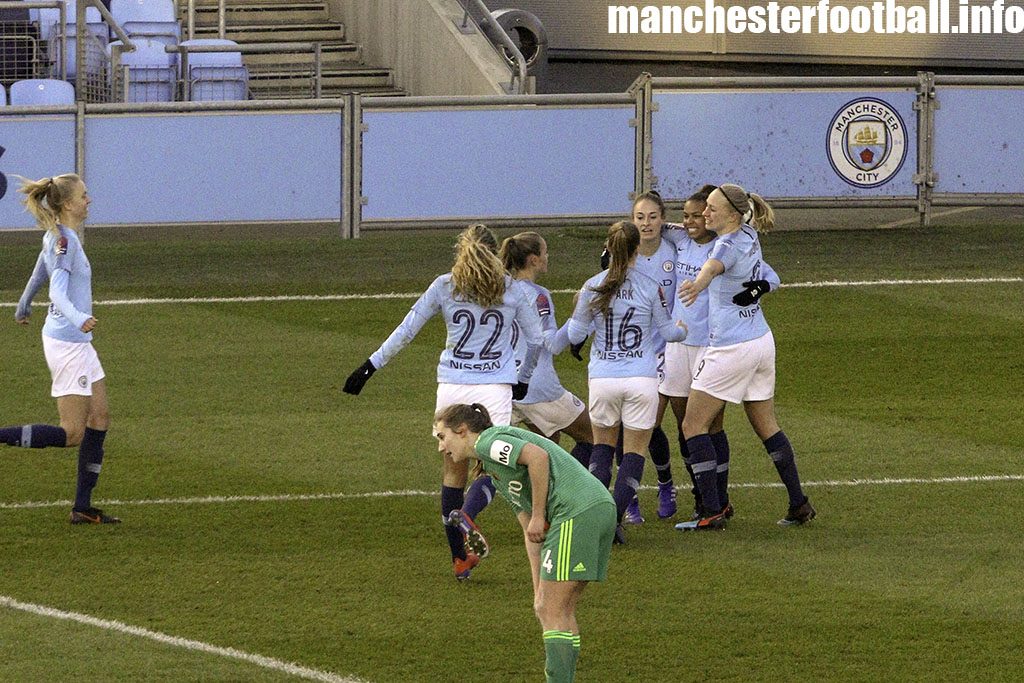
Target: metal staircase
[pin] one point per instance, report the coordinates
(290, 73)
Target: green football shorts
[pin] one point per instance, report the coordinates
(578, 548)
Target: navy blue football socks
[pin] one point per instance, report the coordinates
(452, 499)
(601, 463)
(479, 496)
(34, 436)
(703, 460)
(581, 451)
(781, 452)
(721, 444)
(689, 468)
(661, 455)
(90, 461)
(627, 481)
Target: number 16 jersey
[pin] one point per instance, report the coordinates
(624, 344)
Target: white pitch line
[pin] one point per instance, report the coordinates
(414, 295)
(194, 645)
(885, 283)
(410, 493)
(205, 500)
(937, 214)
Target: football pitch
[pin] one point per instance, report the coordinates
(277, 529)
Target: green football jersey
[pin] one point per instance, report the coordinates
(571, 488)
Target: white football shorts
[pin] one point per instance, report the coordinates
(680, 365)
(738, 372)
(633, 401)
(550, 416)
(74, 366)
(497, 398)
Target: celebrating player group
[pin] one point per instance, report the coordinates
(675, 320)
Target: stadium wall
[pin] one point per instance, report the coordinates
(383, 163)
(422, 43)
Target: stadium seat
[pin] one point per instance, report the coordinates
(19, 44)
(49, 30)
(49, 18)
(41, 91)
(154, 19)
(216, 75)
(152, 71)
(3, 96)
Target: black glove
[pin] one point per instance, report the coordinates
(575, 350)
(606, 259)
(755, 289)
(519, 390)
(354, 383)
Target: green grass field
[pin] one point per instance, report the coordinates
(267, 512)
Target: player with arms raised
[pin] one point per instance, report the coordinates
(479, 302)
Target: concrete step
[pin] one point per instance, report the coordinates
(332, 55)
(263, 13)
(183, 4)
(351, 79)
(270, 33)
(306, 93)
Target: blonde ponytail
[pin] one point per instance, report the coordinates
(478, 275)
(752, 208)
(44, 198)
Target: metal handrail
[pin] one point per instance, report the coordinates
(250, 48)
(129, 46)
(758, 82)
(503, 36)
(190, 19)
(61, 7)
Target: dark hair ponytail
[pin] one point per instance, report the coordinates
(623, 241)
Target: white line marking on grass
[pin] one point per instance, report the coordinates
(410, 493)
(937, 214)
(884, 283)
(201, 500)
(414, 295)
(195, 645)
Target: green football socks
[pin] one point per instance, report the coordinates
(561, 651)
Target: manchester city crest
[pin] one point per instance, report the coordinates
(867, 142)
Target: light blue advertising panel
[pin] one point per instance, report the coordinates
(231, 167)
(978, 145)
(502, 162)
(33, 147)
(787, 144)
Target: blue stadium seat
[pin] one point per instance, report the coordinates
(49, 18)
(19, 44)
(41, 91)
(154, 19)
(216, 75)
(49, 30)
(152, 71)
(3, 96)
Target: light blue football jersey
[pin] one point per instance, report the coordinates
(624, 344)
(544, 384)
(661, 267)
(70, 278)
(479, 345)
(740, 253)
(690, 257)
